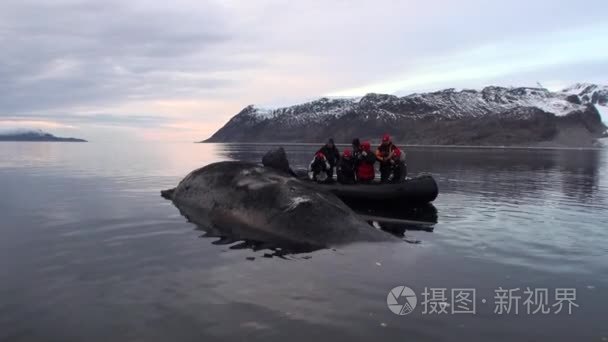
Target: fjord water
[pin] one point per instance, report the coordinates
(90, 251)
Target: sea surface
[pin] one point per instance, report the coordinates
(89, 251)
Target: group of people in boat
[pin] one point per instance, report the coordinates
(357, 165)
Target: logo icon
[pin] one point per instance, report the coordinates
(401, 300)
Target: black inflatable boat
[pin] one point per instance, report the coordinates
(412, 191)
(418, 190)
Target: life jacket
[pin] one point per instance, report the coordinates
(365, 167)
(365, 171)
(383, 151)
(397, 154)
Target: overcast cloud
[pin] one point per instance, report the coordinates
(178, 70)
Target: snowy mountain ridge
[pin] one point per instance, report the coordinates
(434, 110)
(447, 102)
(589, 93)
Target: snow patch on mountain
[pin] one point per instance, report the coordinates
(557, 106)
(464, 103)
(603, 112)
(314, 111)
(263, 113)
(585, 88)
(589, 93)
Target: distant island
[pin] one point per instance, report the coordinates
(35, 135)
(493, 116)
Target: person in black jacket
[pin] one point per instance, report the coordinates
(346, 168)
(318, 166)
(331, 153)
(356, 144)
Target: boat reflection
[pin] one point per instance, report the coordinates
(398, 219)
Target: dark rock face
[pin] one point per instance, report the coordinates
(493, 116)
(574, 99)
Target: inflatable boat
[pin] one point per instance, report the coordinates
(419, 190)
(412, 191)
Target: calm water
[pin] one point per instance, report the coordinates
(91, 252)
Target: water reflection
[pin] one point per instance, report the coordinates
(397, 219)
(239, 237)
(87, 238)
(580, 174)
(531, 173)
(522, 187)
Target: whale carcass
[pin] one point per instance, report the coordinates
(265, 204)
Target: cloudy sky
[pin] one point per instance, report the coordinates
(178, 70)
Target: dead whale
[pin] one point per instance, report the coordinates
(253, 202)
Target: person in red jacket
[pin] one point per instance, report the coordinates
(365, 164)
(390, 158)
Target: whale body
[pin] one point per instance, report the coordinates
(257, 203)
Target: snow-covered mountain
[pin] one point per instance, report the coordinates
(492, 116)
(591, 93)
(32, 135)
